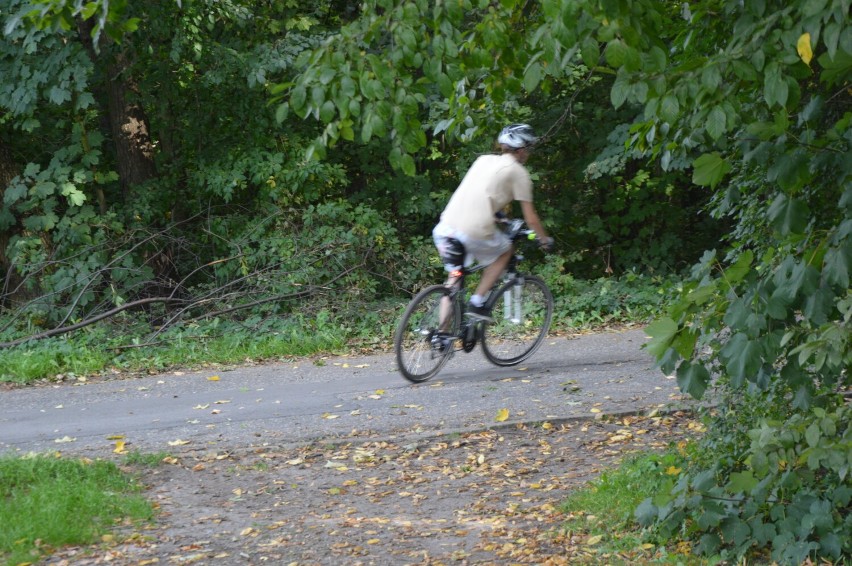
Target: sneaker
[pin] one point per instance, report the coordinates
(482, 313)
(442, 341)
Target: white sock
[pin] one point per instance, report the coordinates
(477, 300)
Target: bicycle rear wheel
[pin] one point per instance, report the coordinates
(522, 309)
(421, 343)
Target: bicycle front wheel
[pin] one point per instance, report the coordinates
(522, 310)
(425, 337)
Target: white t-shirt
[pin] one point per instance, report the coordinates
(492, 182)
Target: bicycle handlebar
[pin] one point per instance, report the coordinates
(517, 231)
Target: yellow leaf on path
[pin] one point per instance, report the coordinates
(201, 406)
(373, 541)
(65, 439)
(329, 416)
(119, 447)
(547, 426)
(115, 437)
(591, 541)
(595, 410)
(803, 46)
(502, 415)
(213, 378)
(380, 391)
(178, 442)
(223, 401)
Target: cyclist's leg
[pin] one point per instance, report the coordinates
(453, 255)
(492, 273)
(495, 253)
(447, 304)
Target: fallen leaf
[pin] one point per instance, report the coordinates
(178, 442)
(222, 402)
(213, 378)
(595, 410)
(119, 447)
(115, 437)
(502, 415)
(672, 471)
(591, 541)
(65, 439)
(329, 416)
(201, 406)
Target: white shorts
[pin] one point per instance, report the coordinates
(484, 252)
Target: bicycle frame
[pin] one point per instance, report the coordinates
(469, 333)
(435, 319)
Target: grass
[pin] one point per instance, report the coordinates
(51, 502)
(601, 513)
(122, 344)
(88, 353)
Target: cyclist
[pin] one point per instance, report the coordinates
(468, 231)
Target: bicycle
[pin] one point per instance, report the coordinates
(522, 309)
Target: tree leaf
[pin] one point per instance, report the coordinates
(788, 215)
(669, 108)
(692, 378)
(590, 52)
(709, 169)
(615, 53)
(502, 415)
(619, 92)
(532, 76)
(716, 122)
(803, 47)
(742, 482)
(661, 331)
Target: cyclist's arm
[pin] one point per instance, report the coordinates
(533, 221)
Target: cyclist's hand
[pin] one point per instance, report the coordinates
(546, 244)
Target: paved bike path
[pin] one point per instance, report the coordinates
(333, 398)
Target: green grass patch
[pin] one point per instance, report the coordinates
(145, 459)
(129, 344)
(600, 516)
(51, 502)
(102, 348)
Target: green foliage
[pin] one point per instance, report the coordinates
(606, 301)
(51, 502)
(604, 508)
(781, 485)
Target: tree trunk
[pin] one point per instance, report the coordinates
(9, 280)
(128, 124)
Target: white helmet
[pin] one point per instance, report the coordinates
(517, 136)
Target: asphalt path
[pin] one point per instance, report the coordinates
(334, 399)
